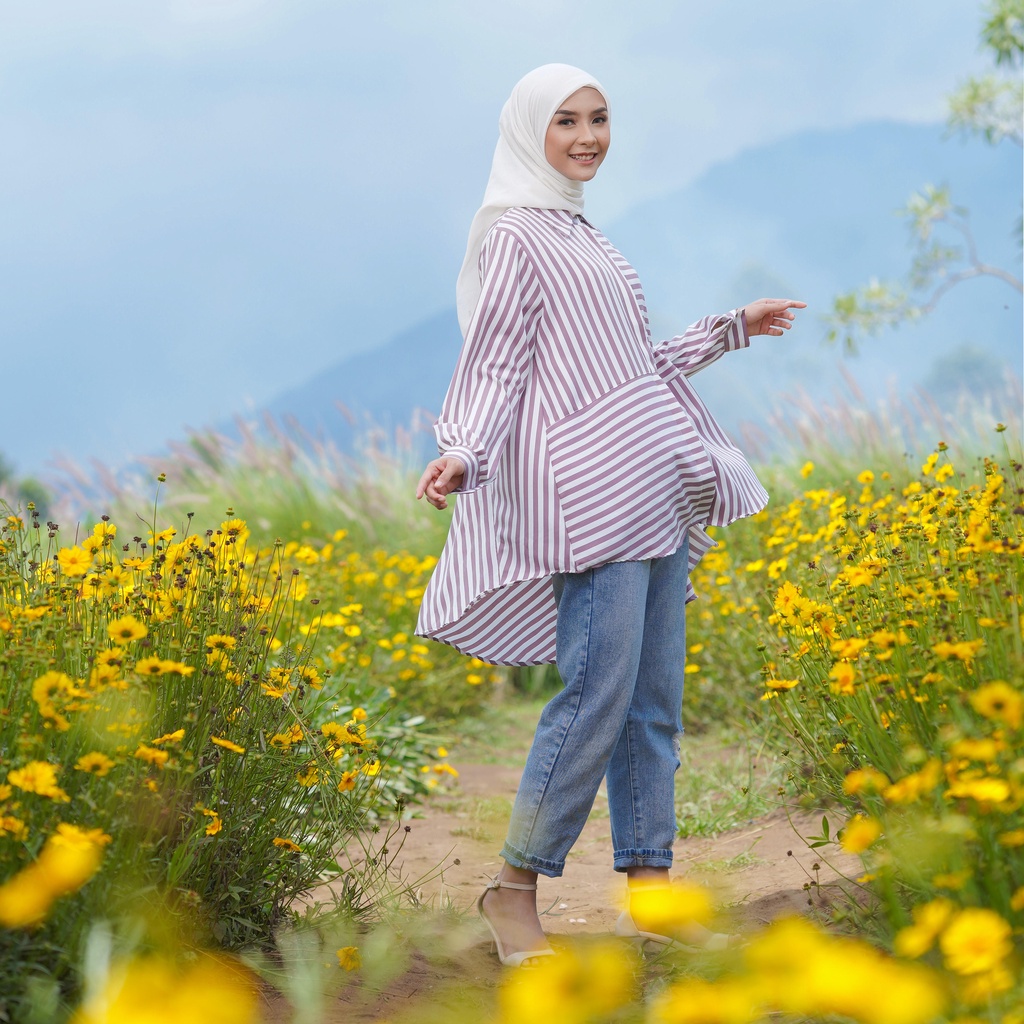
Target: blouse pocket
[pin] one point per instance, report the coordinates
(631, 474)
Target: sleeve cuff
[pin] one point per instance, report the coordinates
(471, 478)
(737, 336)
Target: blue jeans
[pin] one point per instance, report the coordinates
(621, 651)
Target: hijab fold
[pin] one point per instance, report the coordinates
(520, 173)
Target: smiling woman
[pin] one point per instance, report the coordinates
(579, 135)
(587, 469)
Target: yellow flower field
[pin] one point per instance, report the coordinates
(197, 727)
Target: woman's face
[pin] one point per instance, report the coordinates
(579, 135)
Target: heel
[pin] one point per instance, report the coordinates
(520, 959)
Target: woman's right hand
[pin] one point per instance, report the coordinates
(440, 478)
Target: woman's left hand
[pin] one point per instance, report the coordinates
(771, 316)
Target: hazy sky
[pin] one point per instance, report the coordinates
(205, 201)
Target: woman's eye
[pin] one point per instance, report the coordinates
(566, 122)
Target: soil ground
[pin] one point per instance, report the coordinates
(761, 870)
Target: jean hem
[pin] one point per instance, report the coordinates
(623, 859)
(517, 859)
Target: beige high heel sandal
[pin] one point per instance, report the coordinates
(652, 942)
(512, 959)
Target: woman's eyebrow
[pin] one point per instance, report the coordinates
(572, 113)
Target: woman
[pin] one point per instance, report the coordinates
(587, 469)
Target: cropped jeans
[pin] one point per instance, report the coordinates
(621, 653)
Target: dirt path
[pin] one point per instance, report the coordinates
(760, 871)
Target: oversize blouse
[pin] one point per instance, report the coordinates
(583, 442)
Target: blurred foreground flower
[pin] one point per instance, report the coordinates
(670, 909)
(155, 990)
(68, 859)
(579, 984)
(794, 968)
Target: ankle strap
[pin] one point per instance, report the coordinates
(498, 883)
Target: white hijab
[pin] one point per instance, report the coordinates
(520, 173)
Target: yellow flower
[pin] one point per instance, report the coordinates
(112, 656)
(283, 740)
(575, 986)
(912, 787)
(806, 469)
(865, 477)
(169, 737)
(311, 677)
(668, 909)
(963, 650)
(38, 777)
(1000, 701)
(68, 859)
(45, 688)
(220, 642)
(227, 745)
(980, 988)
(125, 629)
(848, 650)
(104, 531)
(802, 971)
(842, 676)
(159, 991)
(787, 599)
(95, 763)
(235, 530)
(152, 666)
(358, 714)
(976, 940)
(695, 1001)
(151, 755)
(371, 768)
(781, 684)
(13, 827)
(982, 790)
(864, 780)
(287, 844)
(929, 919)
(348, 781)
(215, 824)
(860, 833)
(349, 959)
(986, 749)
(74, 562)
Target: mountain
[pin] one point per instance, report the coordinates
(809, 217)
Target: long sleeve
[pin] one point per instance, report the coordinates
(494, 364)
(704, 342)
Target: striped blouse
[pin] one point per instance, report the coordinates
(583, 443)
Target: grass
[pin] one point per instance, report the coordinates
(725, 782)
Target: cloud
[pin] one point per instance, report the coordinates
(257, 187)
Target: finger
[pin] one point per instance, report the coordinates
(453, 469)
(428, 475)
